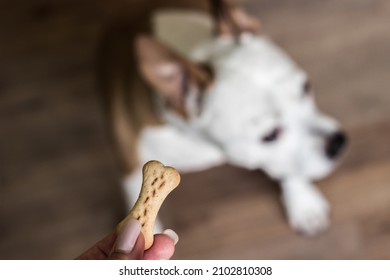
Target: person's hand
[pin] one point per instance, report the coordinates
(129, 245)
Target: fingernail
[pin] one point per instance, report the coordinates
(126, 240)
(172, 235)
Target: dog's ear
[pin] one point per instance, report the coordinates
(232, 21)
(169, 74)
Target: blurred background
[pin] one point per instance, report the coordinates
(60, 182)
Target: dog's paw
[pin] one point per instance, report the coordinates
(307, 211)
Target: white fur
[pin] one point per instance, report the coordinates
(257, 88)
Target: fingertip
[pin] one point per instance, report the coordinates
(128, 236)
(172, 235)
(163, 248)
(136, 253)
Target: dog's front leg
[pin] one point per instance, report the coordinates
(306, 208)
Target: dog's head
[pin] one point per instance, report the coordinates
(248, 96)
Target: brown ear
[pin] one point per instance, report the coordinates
(233, 21)
(168, 73)
(160, 67)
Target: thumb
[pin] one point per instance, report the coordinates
(130, 243)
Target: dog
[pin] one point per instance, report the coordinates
(236, 98)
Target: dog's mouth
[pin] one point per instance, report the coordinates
(335, 145)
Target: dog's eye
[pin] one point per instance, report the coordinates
(306, 88)
(273, 135)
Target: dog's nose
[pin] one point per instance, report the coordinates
(335, 144)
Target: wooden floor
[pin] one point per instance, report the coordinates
(59, 182)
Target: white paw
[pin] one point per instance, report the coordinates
(307, 211)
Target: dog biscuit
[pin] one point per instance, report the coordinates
(158, 181)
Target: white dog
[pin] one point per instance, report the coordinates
(238, 100)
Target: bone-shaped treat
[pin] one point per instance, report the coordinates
(158, 182)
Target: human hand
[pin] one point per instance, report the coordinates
(129, 245)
